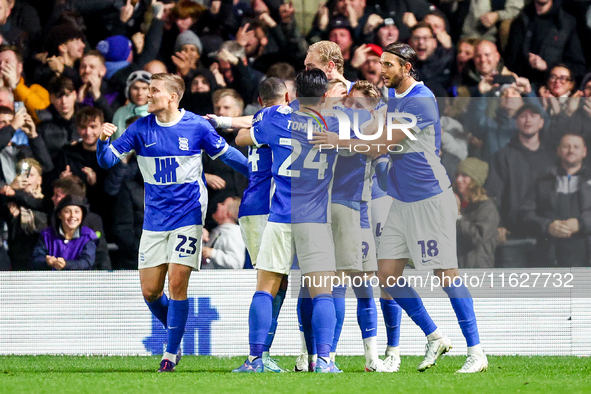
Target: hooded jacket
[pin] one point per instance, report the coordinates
(512, 170)
(558, 196)
(556, 35)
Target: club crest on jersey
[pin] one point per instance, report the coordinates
(183, 143)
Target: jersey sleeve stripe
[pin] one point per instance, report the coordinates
(254, 138)
(116, 152)
(220, 152)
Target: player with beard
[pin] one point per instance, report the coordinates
(421, 224)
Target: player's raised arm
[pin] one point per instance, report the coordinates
(105, 156)
(227, 122)
(244, 138)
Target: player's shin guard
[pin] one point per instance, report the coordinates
(461, 301)
(412, 304)
(367, 315)
(260, 318)
(177, 319)
(324, 321)
(392, 317)
(277, 303)
(338, 295)
(159, 308)
(305, 311)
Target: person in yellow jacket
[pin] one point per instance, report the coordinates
(35, 97)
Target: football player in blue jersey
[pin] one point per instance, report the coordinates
(354, 244)
(378, 208)
(421, 224)
(169, 144)
(327, 56)
(256, 201)
(298, 221)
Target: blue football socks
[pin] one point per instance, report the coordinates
(277, 303)
(305, 312)
(392, 316)
(461, 301)
(338, 295)
(324, 321)
(178, 312)
(159, 308)
(412, 304)
(260, 318)
(367, 314)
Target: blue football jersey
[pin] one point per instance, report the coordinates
(302, 173)
(352, 170)
(416, 172)
(364, 213)
(376, 191)
(169, 158)
(257, 196)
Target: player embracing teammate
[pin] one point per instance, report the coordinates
(421, 224)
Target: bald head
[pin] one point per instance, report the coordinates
(486, 58)
(155, 67)
(5, 8)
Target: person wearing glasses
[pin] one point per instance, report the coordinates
(435, 62)
(542, 36)
(558, 100)
(560, 84)
(569, 112)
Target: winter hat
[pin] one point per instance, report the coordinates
(71, 200)
(475, 169)
(188, 38)
(140, 75)
(115, 48)
(59, 35)
(341, 22)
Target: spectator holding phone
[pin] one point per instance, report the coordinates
(20, 205)
(485, 71)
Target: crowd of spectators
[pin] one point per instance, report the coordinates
(512, 79)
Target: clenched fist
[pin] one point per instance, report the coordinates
(108, 130)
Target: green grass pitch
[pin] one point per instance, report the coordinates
(202, 374)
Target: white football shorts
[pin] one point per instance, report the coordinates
(368, 251)
(312, 242)
(252, 228)
(181, 246)
(346, 233)
(379, 208)
(424, 231)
